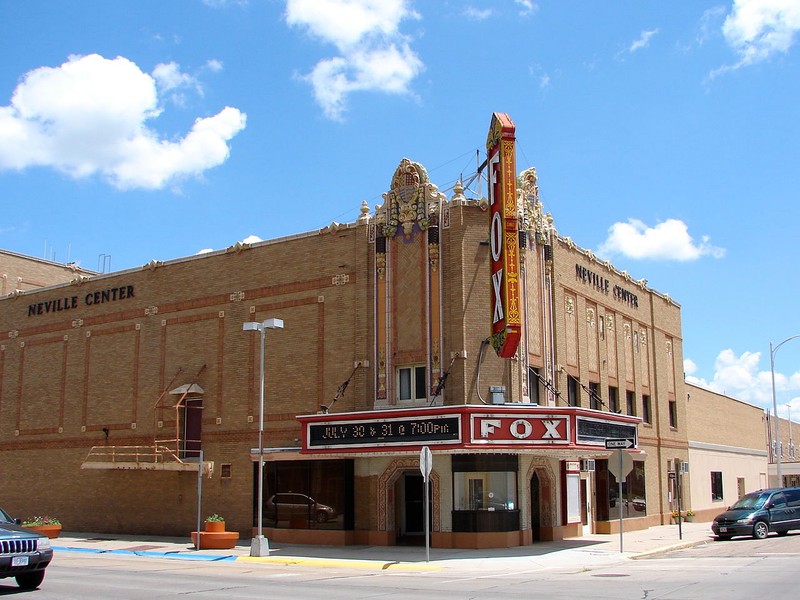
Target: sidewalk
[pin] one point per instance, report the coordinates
(572, 554)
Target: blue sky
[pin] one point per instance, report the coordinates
(665, 135)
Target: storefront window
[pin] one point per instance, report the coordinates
(478, 490)
(307, 494)
(485, 493)
(634, 502)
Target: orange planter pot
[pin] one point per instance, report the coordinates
(213, 540)
(51, 531)
(214, 526)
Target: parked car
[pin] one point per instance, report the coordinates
(24, 554)
(292, 504)
(758, 513)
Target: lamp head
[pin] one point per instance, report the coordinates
(272, 324)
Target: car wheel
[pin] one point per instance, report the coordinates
(723, 538)
(30, 581)
(760, 530)
(322, 516)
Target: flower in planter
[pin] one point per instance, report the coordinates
(215, 518)
(38, 521)
(675, 514)
(690, 513)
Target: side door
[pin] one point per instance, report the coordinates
(778, 513)
(793, 507)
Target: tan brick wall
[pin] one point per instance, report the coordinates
(66, 375)
(719, 419)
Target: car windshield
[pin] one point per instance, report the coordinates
(751, 501)
(4, 518)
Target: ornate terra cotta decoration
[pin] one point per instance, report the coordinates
(406, 203)
(530, 208)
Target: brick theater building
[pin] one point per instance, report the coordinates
(465, 325)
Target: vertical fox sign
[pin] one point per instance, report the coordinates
(503, 237)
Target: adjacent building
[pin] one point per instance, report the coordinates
(727, 451)
(20, 273)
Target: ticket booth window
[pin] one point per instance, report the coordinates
(485, 493)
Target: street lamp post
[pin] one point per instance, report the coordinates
(259, 546)
(772, 351)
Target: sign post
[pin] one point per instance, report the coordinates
(620, 464)
(425, 466)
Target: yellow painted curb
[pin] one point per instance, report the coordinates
(341, 563)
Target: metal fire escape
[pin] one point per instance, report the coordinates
(171, 450)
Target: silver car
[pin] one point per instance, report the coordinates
(287, 505)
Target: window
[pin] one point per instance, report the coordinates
(572, 391)
(716, 485)
(634, 499)
(484, 482)
(646, 409)
(411, 383)
(793, 498)
(594, 395)
(485, 493)
(673, 414)
(300, 493)
(630, 400)
(533, 385)
(613, 399)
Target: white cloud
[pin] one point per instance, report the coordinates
(168, 76)
(669, 240)
(709, 22)
(740, 377)
(373, 55)
(760, 29)
(252, 239)
(89, 116)
(689, 366)
(526, 6)
(643, 41)
(477, 14)
(214, 65)
(204, 251)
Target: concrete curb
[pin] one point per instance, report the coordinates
(340, 562)
(663, 549)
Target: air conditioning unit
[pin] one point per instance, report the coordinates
(587, 464)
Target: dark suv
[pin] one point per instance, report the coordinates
(758, 513)
(24, 554)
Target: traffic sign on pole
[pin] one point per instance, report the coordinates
(425, 466)
(620, 463)
(425, 462)
(625, 443)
